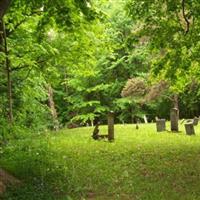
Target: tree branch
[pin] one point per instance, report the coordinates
(26, 66)
(167, 97)
(185, 17)
(18, 68)
(26, 17)
(9, 32)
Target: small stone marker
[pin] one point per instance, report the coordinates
(174, 115)
(182, 121)
(160, 125)
(111, 126)
(95, 134)
(195, 121)
(189, 128)
(145, 119)
(137, 127)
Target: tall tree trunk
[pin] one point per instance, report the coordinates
(4, 48)
(1, 36)
(52, 107)
(4, 5)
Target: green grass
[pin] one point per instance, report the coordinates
(140, 164)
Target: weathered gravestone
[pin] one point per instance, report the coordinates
(111, 126)
(96, 135)
(110, 135)
(174, 116)
(137, 127)
(189, 128)
(160, 125)
(145, 119)
(195, 121)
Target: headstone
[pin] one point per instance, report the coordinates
(189, 128)
(92, 123)
(95, 134)
(182, 121)
(156, 118)
(189, 120)
(174, 115)
(195, 121)
(160, 125)
(111, 126)
(145, 119)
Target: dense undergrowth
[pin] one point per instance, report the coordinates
(140, 164)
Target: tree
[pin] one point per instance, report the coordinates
(170, 28)
(138, 87)
(21, 11)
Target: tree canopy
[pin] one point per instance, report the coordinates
(67, 62)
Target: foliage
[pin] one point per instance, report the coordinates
(134, 87)
(87, 51)
(171, 28)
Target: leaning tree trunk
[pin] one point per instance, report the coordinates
(174, 114)
(52, 107)
(4, 49)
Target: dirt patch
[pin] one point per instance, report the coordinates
(7, 179)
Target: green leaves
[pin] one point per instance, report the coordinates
(164, 24)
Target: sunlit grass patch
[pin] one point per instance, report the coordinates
(139, 164)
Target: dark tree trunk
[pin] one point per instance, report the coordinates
(4, 48)
(1, 36)
(4, 5)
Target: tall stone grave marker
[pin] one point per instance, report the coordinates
(111, 126)
(174, 115)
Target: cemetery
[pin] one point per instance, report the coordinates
(99, 100)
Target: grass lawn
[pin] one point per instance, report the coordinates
(140, 164)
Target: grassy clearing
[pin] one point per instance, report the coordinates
(140, 164)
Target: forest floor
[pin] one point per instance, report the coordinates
(138, 165)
